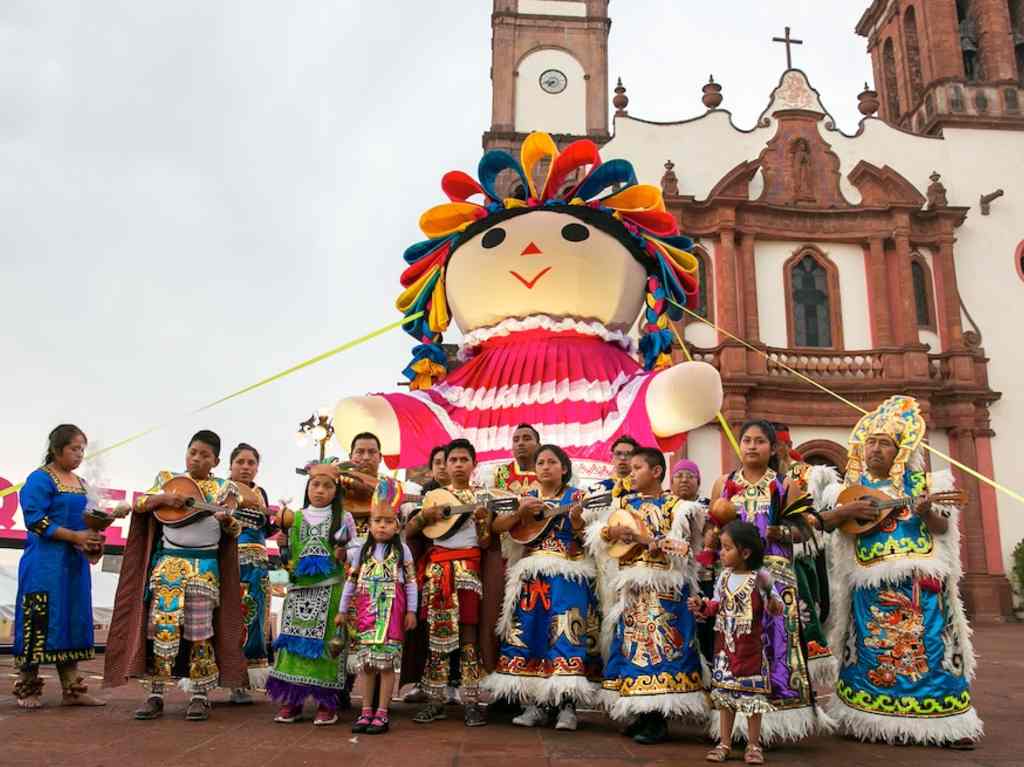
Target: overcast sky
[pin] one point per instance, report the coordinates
(196, 194)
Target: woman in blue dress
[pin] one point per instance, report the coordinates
(549, 623)
(53, 611)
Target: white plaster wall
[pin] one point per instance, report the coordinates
(769, 258)
(553, 7)
(704, 149)
(703, 446)
(939, 439)
(837, 434)
(564, 112)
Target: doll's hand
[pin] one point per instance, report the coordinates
(410, 621)
(340, 619)
(774, 607)
(696, 604)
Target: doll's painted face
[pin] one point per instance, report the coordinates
(544, 262)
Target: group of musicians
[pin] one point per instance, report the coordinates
(630, 594)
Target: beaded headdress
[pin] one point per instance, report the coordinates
(898, 418)
(328, 467)
(608, 196)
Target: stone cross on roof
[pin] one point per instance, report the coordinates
(789, 41)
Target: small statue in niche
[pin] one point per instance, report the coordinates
(969, 48)
(803, 188)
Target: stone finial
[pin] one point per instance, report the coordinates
(669, 180)
(621, 100)
(936, 192)
(867, 101)
(712, 93)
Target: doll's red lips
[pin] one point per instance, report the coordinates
(530, 283)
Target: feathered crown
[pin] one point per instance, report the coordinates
(328, 467)
(899, 418)
(635, 212)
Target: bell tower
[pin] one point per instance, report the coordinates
(549, 71)
(956, 63)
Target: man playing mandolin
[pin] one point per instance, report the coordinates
(908, 660)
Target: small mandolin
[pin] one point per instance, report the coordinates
(196, 507)
(533, 529)
(885, 505)
(640, 537)
(454, 512)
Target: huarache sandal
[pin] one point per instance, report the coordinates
(719, 753)
(753, 755)
(198, 710)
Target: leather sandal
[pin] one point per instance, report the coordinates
(719, 753)
(754, 754)
(198, 710)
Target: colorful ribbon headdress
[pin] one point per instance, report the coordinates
(898, 418)
(609, 188)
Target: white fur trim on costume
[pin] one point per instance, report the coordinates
(258, 677)
(823, 671)
(580, 570)
(541, 691)
(824, 486)
(891, 729)
(692, 705)
(780, 726)
(543, 322)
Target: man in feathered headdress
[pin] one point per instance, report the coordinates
(907, 655)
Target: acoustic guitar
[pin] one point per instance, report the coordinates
(527, 531)
(640, 537)
(197, 508)
(885, 505)
(454, 512)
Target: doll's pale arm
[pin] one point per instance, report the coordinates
(683, 397)
(354, 415)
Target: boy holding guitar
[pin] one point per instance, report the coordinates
(180, 565)
(449, 579)
(652, 664)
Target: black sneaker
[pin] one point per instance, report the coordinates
(430, 713)
(655, 731)
(636, 726)
(475, 715)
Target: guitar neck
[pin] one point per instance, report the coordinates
(896, 503)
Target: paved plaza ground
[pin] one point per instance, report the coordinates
(245, 735)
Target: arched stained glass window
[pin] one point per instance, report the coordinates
(812, 320)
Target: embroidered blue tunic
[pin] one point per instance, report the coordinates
(550, 623)
(53, 611)
(903, 668)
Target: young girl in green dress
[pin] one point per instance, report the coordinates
(304, 665)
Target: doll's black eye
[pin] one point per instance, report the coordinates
(575, 232)
(493, 237)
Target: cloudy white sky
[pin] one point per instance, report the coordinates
(194, 195)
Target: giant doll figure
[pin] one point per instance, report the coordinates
(545, 291)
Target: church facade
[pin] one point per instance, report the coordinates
(885, 261)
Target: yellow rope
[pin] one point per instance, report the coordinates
(934, 451)
(246, 389)
(721, 418)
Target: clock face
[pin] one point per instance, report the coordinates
(553, 81)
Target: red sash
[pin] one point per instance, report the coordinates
(437, 554)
